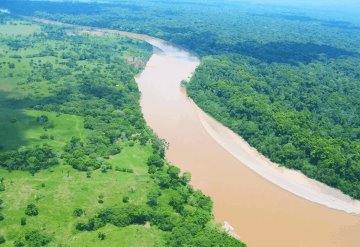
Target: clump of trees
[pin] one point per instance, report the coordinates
(29, 159)
(31, 210)
(33, 238)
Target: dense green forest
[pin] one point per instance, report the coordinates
(78, 164)
(286, 80)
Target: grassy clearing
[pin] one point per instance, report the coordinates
(18, 28)
(57, 192)
(20, 127)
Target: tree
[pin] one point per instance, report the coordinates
(125, 199)
(42, 119)
(33, 238)
(101, 236)
(174, 171)
(78, 212)
(2, 239)
(153, 198)
(155, 160)
(23, 221)
(186, 177)
(31, 210)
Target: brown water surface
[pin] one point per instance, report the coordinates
(262, 213)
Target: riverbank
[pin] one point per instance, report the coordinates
(290, 180)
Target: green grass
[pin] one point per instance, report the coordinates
(131, 236)
(27, 131)
(18, 28)
(66, 189)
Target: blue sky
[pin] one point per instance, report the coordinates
(332, 3)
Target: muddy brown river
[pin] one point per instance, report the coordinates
(263, 213)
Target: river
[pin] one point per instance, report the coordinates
(268, 206)
(264, 212)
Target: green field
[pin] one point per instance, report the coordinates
(60, 190)
(26, 130)
(18, 28)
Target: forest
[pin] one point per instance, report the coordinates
(287, 81)
(71, 129)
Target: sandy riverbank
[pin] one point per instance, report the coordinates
(290, 180)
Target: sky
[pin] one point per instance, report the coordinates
(308, 3)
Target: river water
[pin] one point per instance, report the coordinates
(262, 213)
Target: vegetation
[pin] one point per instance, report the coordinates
(287, 82)
(76, 152)
(308, 123)
(31, 210)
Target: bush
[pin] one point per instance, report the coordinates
(155, 160)
(126, 215)
(33, 238)
(44, 137)
(101, 236)
(103, 168)
(31, 210)
(101, 199)
(23, 221)
(1, 217)
(30, 159)
(2, 187)
(42, 119)
(78, 212)
(125, 199)
(2, 239)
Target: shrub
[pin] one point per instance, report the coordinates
(101, 236)
(31, 210)
(78, 212)
(103, 168)
(155, 160)
(2, 239)
(33, 238)
(23, 221)
(42, 119)
(125, 199)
